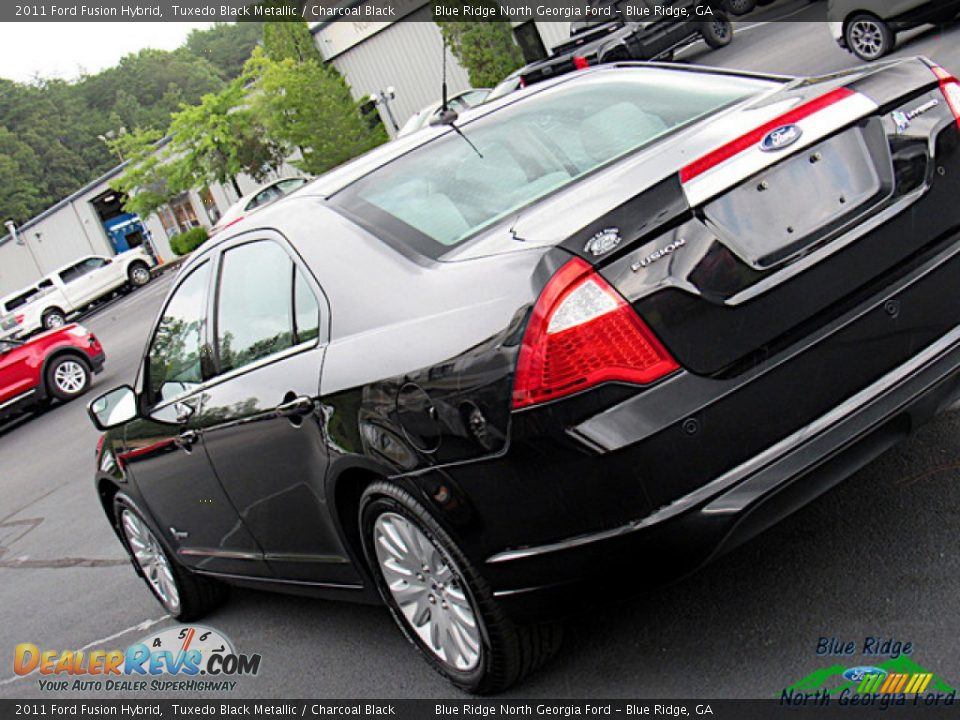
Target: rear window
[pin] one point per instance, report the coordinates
(23, 298)
(442, 193)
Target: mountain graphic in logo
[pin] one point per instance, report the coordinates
(899, 675)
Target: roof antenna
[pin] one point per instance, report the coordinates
(447, 115)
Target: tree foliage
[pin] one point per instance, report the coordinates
(308, 105)
(283, 40)
(485, 49)
(146, 180)
(219, 138)
(226, 46)
(55, 124)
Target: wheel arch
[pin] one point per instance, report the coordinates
(52, 308)
(107, 490)
(345, 489)
(135, 263)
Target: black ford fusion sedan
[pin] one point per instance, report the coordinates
(600, 331)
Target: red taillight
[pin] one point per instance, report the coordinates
(18, 319)
(755, 136)
(582, 333)
(580, 62)
(950, 87)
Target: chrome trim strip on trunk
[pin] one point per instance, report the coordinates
(855, 403)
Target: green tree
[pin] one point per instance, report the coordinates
(308, 105)
(486, 49)
(18, 165)
(226, 46)
(146, 180)
(283, 40)
(220, 138)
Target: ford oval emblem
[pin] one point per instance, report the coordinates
(782, 137)
(856, 674)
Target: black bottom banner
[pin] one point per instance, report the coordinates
(786, 707)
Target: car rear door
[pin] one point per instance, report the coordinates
(261, 420)
(82, 284)
(162, 448)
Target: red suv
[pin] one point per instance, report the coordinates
(55, 364)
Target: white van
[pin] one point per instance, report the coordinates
(74, 287)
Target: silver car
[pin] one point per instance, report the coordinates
(868, 28)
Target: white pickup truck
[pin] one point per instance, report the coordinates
(73, 287)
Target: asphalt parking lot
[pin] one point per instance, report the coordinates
(876, 556)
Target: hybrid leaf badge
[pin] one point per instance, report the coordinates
(603, 242)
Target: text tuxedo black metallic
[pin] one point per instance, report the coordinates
(615, 333)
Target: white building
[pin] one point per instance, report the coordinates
(81, 225)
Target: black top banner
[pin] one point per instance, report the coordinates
(357, 11)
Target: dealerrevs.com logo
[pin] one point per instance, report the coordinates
(186, 658)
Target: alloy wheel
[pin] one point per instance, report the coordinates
(54, 320)
(429, 590)
(70, 377)
(720, 29)
(140, 276)
(152, 559)
(867, 38)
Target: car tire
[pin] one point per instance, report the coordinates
(491, 652)
(67, 377)
(183, 594)
(868, 37)
(138, 274)
(53, 318)
(717, 33)
(740, 7)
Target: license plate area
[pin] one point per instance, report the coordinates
(790, 206)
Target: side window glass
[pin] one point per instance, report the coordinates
(173, 361)
(71, 273)
(306, 309)
(93, 264)
(255, 317)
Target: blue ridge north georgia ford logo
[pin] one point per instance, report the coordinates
(780, 138)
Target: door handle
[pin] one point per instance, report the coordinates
(298, 407)
(187, 439)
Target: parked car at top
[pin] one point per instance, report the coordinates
(55, 365)
(620, 34)
(459, 102)
(593, 42)
(258, 199)
(591, 337)
(77, 286)
(869, 28)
